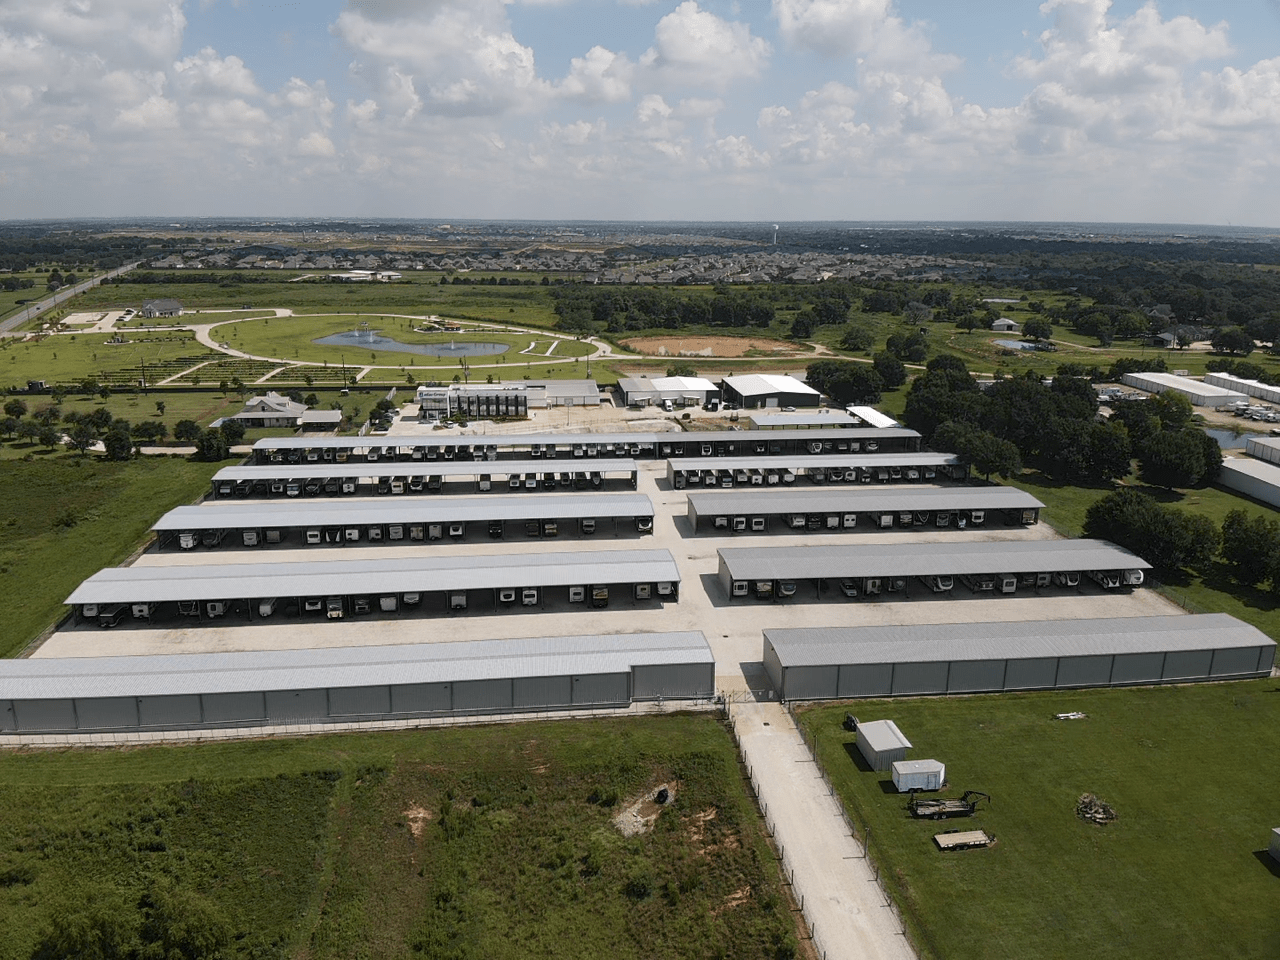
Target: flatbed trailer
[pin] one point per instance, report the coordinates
(963, 840)
(943, 808)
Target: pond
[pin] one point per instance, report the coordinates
(373, 340)
(1228, 440)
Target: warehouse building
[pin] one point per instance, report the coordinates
(658, 391)
(578, 446)
(475, 401)
(1253, 388)
(1264, 448)
(837, 509)
(782, 471)
(1253, 478)
(342, 685)
(329, 590)
(294, 523)
(755, 390)
(830, 663)
(1201, 394)
(894, 569)
(382, 479)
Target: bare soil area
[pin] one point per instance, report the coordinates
(714, 346)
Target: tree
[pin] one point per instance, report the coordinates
(912, 347)
(233, 430)
(48, 415)
(160, 408)
(9, 426)
(857, 336)
(104, 392)
(679, 370)
(1173, 409)
(891, 370)
(1038, 328)
(223, 386)
(1235, 340)
(1173, 458)
(99, 418)
(16, 409)
(1166, 537)
(1108, 452)
(986, 452)
(81, 437)
(118, 442)
(1249, 545)
(50, 436)
(211, 446)
(186, 431)
(27, 430)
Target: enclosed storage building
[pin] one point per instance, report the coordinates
(882, 744)
(350, 684)
(1201, 394)
(1253, 478)
(919, 775)
(848, 662)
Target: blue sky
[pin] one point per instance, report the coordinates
(1098, 110)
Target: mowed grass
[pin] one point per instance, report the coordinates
(1182, 873)
(65, 517)
(74, 358)
(484, 842)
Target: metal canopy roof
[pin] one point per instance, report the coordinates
(926, 559)
(36, 679)
(223, 581)
(922, 459)
(882, 735)
(934, 643)
(421, 468)
(405, 441)
(861, 500)
(238, 514)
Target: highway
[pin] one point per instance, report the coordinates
(61, 296)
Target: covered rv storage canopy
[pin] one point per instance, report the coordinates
(351, 683)
(865, 467)
(837, 662)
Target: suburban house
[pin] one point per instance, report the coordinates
(1005, 325)
(273, 410)
(160, 308)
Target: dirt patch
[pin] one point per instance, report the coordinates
(641, 813)
(735, 899)
(712, 346)
(417, 818)
(698, 834)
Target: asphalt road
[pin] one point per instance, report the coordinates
(66, 293)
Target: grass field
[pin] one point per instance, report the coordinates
(74, 358)
(484, 842)
(1182, 873)
(64, 518)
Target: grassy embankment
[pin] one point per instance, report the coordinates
(65, 518)
(1182, 873)
(491, 842)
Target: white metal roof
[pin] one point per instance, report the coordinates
(939, 642)
(781, 462)
(918, 766)
(835, 419)
(237, 514)
(36, 679)
(347, 577)
(882, 735)
(667, 384)
(1168, 381)
(756, 383)
(1257, 469)
(926, 559)
(872, 416)
(859, 499)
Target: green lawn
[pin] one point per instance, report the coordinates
(73, 358)
(65, 518)
(1180, 874)
(485, 842)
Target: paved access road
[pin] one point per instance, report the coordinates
(66, 293)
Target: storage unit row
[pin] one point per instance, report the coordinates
(293, 523)
(1001, 567)
(400, 479)
(779, 472)
(217, 690)
(864, 508)
(965, 658)
(583, 446)
(333, 590)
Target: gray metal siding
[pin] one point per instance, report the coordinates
(422, 698)
(593, 688)
(811, 683)
(1187, 664)
(1137, 668)
(98, 713)
(8, 721)
(1084, 671)
(1030, 674)
(532, 693)
(482, 695)
(972, 676)
(169, 711)
(234, 707)
(359, 701)
(772, 665)
(38, 715)
(675, 681)
(293, 706)
(1227, 663)
(865, 680)
(920, 678)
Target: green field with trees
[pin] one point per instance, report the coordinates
(483, 842)
(1183, 872)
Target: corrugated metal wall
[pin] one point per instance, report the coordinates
(106, 712)
(1229, 662)
(909, 678)
(359, 701)
(603, 688)
(422, 698)
(297, 706)
(675, 681)
(811, 683)
(974, 676)
(1137, 668)
(1084, 671)
(866, 680)
(533, 693)
(1031, 674)
(173, 711)
(1187, 664)
(482, 696)
(234, 707)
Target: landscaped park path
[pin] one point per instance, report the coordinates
(842, 901)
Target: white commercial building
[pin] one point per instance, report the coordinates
(1254, 388)
(1200, 394)
(1253, 478)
